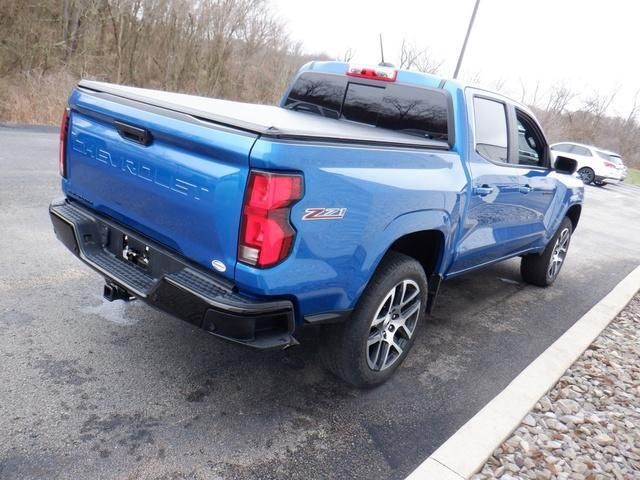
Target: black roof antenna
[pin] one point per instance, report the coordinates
(382, 62)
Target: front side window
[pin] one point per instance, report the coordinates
(531, 144)
(491, 129)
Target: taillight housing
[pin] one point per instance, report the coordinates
(610, 164)
(62, 152)
(266, 235)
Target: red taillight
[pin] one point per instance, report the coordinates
(62, 153)
(610, 164)
(385, 74)
(266, 235)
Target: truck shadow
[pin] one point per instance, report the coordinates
(154, 389)
(273, 405)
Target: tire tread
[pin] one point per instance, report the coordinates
(533, 268)
(340, 343)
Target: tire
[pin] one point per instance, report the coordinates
(543, 269)
(396, 295)
(587, 175)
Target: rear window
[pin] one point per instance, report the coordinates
(423, 112)
(612, 158)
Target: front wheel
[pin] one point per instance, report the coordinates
(543, 269)
(367, 349)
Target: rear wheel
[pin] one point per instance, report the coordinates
(367, 349)
(542, 270)
(587, 175)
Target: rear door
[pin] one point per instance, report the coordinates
(171, 177)
(506, 210)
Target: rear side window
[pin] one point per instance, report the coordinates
(578, 150)
(422, 112)
(562, 147)
(491, 129)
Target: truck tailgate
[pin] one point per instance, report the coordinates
(174, 178)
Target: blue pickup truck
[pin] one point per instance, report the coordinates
(344, 207)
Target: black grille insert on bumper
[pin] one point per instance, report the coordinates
(171, 283)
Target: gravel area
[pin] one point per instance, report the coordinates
(588, 426)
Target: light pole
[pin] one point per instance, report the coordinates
(466, 39)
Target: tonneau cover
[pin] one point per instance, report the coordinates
(266, 120)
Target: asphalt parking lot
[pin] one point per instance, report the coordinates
(93, 390)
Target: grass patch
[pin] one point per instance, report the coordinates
(633, 176)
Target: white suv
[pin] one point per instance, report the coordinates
(595, 165)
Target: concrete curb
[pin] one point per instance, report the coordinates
(466, 451)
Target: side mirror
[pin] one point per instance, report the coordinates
(565, 165)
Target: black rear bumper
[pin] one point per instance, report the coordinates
(169, 282)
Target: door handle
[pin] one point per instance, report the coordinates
(483, 190)
(133, 133)
(525, 189)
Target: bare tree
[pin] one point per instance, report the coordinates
(597, 105)
(347, 56)
(234, 49)
(559, 98)
(474, 78)
(498, 85)
(421, 60)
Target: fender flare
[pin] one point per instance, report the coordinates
(406, 224)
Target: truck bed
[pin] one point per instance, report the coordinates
(265, 120)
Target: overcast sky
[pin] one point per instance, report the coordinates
(590, 45)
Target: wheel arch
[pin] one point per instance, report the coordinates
(425, 246)
(573, 213)
(428, 248)
(423, 235)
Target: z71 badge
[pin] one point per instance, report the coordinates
(324, 213)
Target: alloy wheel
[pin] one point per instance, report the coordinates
(393, 325)
(559, 253)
